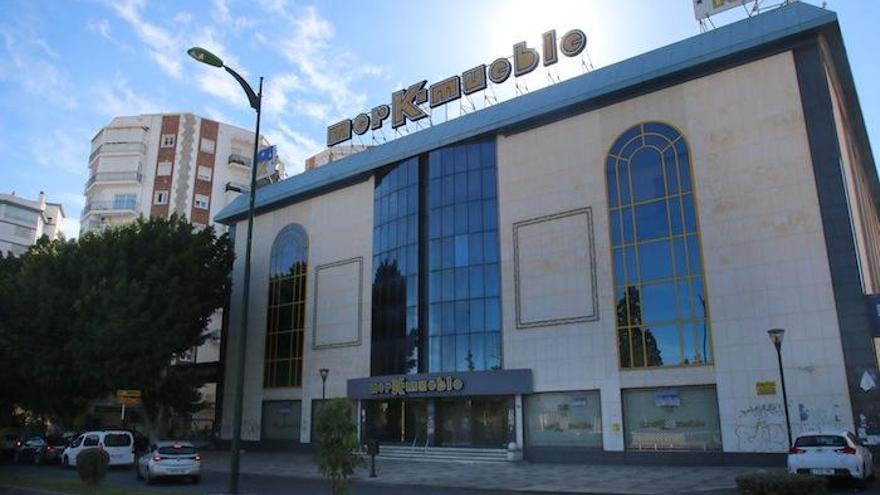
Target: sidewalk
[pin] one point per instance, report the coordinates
(515, 477)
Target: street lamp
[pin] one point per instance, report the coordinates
(206, 57)
(776, 335)
(324, 372)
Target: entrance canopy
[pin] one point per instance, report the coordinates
(448, 384)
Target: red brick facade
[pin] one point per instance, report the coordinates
(170, 126)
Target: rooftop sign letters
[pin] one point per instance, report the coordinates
(406, 104)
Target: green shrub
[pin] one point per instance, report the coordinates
(336, 442)
(92, 465)
(780, 483)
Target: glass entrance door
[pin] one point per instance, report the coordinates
(458, 422)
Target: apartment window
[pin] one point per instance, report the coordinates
(163, 169)
(662, 309)
(168, 140)
(207, 145)
(22, 215)
(204, 173)
(160, 198)
(24, 232)
(124, 201)
(285, 324)
(201, 201)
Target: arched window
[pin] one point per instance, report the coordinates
(660, 296)
(287, 307)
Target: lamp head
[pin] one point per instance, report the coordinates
(324, 372)
(204, 56)
(776, 335)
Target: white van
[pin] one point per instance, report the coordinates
(118, 443)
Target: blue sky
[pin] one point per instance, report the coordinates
(68, 67)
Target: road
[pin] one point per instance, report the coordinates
(216, 482)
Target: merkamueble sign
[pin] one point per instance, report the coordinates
(406, 103)
(456, 383)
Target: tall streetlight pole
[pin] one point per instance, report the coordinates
(776, 335)
(206, 57)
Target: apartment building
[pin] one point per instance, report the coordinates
(164, 164)
(24, 221)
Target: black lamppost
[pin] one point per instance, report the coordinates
(324, 372)
(776, 335)
(255, 100)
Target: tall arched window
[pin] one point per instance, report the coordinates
(662, 312)
(287, 307)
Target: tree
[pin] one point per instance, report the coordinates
(336, 441)
(152, 288)
(110, 311)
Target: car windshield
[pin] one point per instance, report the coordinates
(181, 450)
(821, 441)
(117, 440)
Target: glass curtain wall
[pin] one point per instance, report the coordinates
(662, 312)
(396, 338)
(464, 314)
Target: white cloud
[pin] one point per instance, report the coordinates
(117, 98)
(326, 71)
(293, 147)
(220, 13)
(162, 45)
(101, 27)
(25, 62)
(70, 227)
(63, 150)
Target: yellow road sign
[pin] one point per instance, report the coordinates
(128, 397)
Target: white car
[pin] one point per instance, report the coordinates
(171, 459)
(119, 444)
(831, 454)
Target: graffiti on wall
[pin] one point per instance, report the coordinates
(761, 428)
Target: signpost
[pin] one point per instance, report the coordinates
(127, 398)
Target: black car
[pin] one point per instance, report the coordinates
(40, 450)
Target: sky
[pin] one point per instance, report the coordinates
(67, 67)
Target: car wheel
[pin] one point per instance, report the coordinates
(196, 480)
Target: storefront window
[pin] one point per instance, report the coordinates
(662, 315)
(683, 418)
(564, 419)
(281, 420)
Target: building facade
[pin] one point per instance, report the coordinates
(162, 164)
(23, 222)
(588, 270)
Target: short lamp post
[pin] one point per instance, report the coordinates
(324, 372)
(255, 99)
(776, 335)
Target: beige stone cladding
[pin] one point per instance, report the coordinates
(763, 248)
(339, 227)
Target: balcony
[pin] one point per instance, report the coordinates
(241, 160)
(126, 148)
(113, 207)
(115, 177)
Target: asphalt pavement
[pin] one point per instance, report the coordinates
(214, 482)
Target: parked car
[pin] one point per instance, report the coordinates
(832, 454)
(171, 459)
(8, 443)
(40, 450)
(118, 443)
